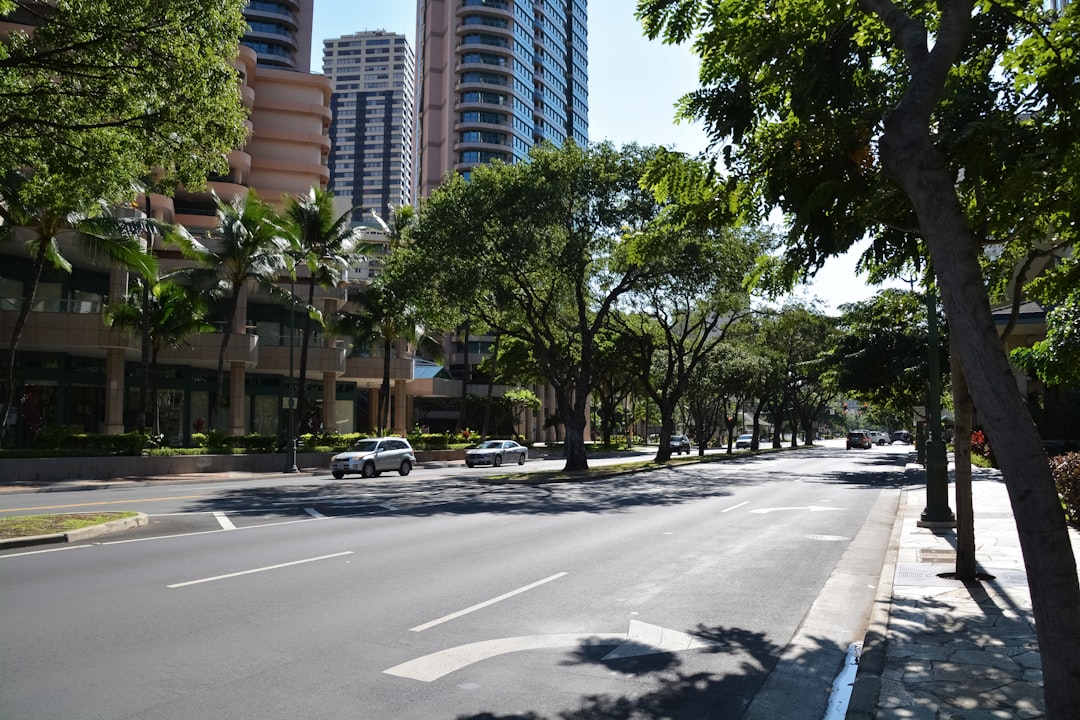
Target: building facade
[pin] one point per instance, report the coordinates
(495, 78)
(75, 372)
(372, 76)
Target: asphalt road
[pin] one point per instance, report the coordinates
(722, 590)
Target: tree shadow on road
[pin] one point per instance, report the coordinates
(664, 689)
(610, 493)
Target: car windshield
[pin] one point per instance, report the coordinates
(489, 445)
(365, 446)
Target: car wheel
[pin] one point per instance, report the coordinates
(497, 461)
(369, 470)
(469, 464)
(521, 459)
(338, 474)
(406, 466)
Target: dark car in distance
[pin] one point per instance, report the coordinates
(680, 444)
(859, 439)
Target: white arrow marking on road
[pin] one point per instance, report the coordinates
(811, 508)
(646, 639)
(641, 639)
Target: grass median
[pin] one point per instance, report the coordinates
(28, 525)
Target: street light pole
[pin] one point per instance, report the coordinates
(937, 512)
(290, 451)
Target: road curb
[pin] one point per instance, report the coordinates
(866, 689)
(78, 535)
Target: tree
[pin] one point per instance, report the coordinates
(100, 94)
(381, 313)
(536, 251)
(167, 315)
(47, 232)
(834, 108)
(880, 355)
(616, 380)
(247, 249)
(327, 246)
(701, 259)
(518, 400)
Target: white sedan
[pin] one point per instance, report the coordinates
(495, 452)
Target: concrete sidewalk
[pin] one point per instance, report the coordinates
(938, 649)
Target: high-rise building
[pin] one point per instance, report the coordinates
(373, 77)
(279, 31)
(497, 77)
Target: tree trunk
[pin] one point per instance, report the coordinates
(219, 401)
(384, 390)
(16, 334)
(466, 373)
(144, 356)
(910, 157)
(491, 391)
(965, 512)
(305, 340)
(575, 421)
(155, 392)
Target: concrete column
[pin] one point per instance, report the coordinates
(114, 391)
(401, 413)
(329, 400)
(237, 404)
(373, 408)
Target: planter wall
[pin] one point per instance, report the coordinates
(38, 470)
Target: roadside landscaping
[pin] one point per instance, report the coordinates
(28, 525)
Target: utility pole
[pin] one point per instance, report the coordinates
(937, 512)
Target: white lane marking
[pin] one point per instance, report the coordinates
(258, 570)
(843, 685)
(641, 639)
(314, 513)
(224, 522)
(811, 508)
(486, 603)
(733, 507)
(47, 550)
(388, 506)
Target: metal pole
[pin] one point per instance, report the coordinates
(290, 455)
(937, 512)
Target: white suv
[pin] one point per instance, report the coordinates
(371, 456)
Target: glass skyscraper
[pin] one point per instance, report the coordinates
(496, 77)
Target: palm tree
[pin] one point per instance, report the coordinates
(113, 241)
(384, 317)
(167, 315)
(249, 248)
(327, 246)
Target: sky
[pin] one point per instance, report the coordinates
(634, 84)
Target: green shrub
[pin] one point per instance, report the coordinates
(255, 443)
(1066, 471)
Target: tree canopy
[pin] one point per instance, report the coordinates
(99, 95)
(902, 121)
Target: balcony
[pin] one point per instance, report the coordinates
(202, 351)
(322, 358)
(62, 326)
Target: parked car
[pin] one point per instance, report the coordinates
(495, 452)
(902, 436)
(743, 441)
(880, 438)
(371, 456)
(680, 444)
(858, 439)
